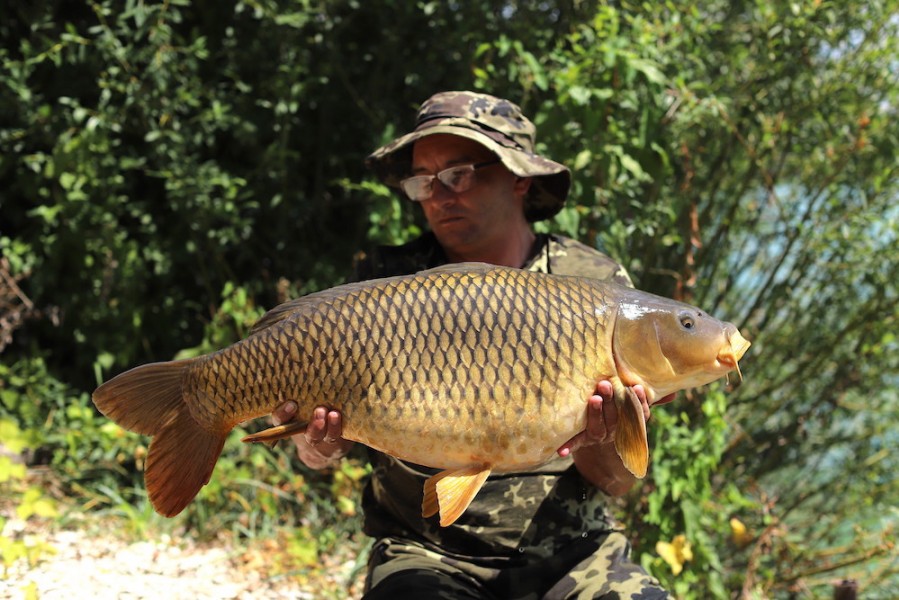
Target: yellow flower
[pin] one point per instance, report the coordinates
(739, 533)
(675, 553)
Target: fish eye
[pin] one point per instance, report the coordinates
(687, 321)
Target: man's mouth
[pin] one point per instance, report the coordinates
(449, 219)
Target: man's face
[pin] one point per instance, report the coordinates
(473, 222)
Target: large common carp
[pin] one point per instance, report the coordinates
(469, 368)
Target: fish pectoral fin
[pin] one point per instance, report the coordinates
(450, 492)
(279, 432)
(630, 434)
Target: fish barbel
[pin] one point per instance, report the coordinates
(470, 368)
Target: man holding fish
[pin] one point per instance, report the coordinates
(502, 404)
(545, 532)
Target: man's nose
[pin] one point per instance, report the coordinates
(440, 193)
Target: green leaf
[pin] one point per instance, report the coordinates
(10, 470)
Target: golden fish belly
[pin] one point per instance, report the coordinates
(440, 371)
(510, 441)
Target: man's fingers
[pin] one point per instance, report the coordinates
(315, 431)
(641, 395)
(602, 417)
(597, 427)
(571, 445)
(284, 413)
(325, 427)
(334, 428)
(604, 389)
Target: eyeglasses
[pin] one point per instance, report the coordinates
(456, 179)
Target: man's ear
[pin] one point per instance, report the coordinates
(522, 185)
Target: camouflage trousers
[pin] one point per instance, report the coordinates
(586, 568)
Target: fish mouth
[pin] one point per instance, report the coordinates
(731, 354)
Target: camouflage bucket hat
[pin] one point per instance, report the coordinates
(494, 123)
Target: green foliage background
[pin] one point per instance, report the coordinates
(170, 168)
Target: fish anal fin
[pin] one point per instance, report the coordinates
(279, 432)
(630, 433)
(429, 503)
(450, 492)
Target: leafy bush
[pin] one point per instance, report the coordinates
(28, 500)
(170, 169)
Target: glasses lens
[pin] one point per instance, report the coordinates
(457, 179)
(418, 188)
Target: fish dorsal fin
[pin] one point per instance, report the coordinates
(463, 267)
(450, 492)
(278, 314)
(286, 309)
(630, 433)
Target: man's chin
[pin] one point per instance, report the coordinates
(454, 234)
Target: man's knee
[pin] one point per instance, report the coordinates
(397, 570)
(422, 583)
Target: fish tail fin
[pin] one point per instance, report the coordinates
(149, 400)
(143, 398)
(630, 433)
(181, 459)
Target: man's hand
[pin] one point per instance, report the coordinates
(321, 445)
(602, 418)
(593, 449)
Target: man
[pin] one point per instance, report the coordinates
(471, 166)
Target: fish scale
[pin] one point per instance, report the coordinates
(344, 328)
(469, 368)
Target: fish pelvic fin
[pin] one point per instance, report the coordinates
(450, 492)
(630, 433)
(149, 400)
(273, 434)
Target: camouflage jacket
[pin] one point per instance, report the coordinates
(514, 514)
